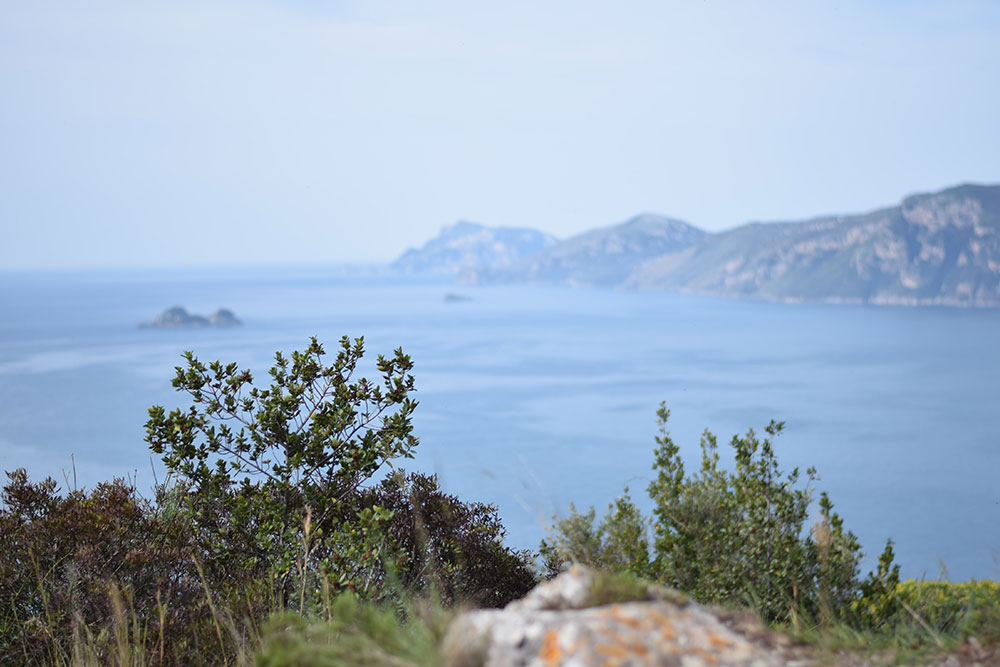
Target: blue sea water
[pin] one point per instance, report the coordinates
(535, 397)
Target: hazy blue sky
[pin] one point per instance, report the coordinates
(161, 133)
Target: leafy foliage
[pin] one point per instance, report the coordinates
(619, 542)
(255, 461)
(732, 536)
(878, 606)
(452, 548)
(726, 536)
(67, 561)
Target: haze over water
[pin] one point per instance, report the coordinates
(534, 397)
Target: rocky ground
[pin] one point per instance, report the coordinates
(565, 623)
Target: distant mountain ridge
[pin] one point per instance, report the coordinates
(466, 245)
(940, 248)
(600, 257)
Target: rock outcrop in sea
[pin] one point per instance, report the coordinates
(177, 317)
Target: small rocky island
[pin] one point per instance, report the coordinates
(179, 318)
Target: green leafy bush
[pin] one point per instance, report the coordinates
(878, 605)
(447, 546)
(725, 536)
(267, 472)
(620, 542)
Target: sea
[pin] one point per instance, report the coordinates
(535, 397)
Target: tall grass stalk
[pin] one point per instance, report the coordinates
(211, 607)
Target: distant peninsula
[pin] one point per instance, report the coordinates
(179, 318)
(939, 248)
(469, 245)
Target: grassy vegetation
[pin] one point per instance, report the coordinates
(276, 544)
(931, 618)
(110, 578)
(352, 632)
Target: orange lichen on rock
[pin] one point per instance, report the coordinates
(616, 613)
(612, 650)
(704, 655)
(553, 626)
(550, 652)
(666, 629)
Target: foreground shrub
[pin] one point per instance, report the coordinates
(267, 471)
(278, 483)
(449, 547)
(726, 536)
(68, 561)
(741, 536)
(618, 543)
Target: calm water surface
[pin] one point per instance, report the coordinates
(534, 397)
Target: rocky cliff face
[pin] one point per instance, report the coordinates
(941, 248)
(466, 245)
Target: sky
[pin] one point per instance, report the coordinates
(219, 132)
